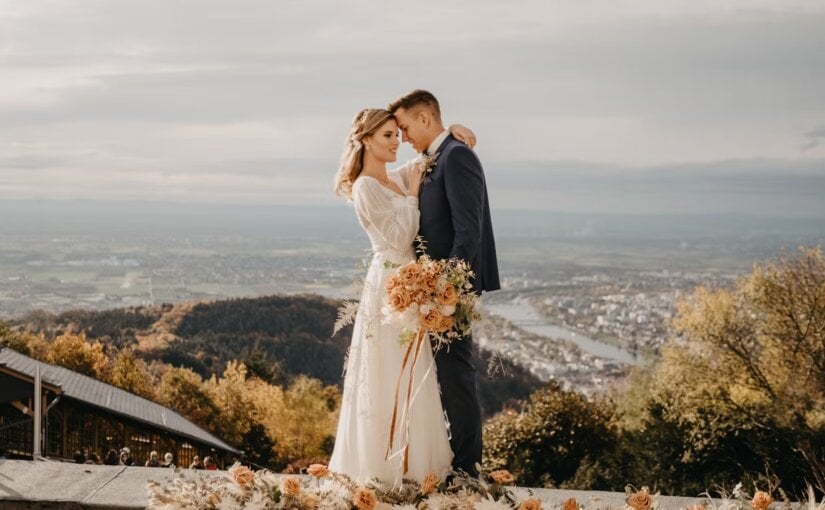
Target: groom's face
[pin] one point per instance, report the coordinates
(413, 128)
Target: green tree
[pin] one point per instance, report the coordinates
(545, 443)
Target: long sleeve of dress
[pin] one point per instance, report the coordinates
(395, 223)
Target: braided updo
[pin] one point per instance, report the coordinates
(352, 159)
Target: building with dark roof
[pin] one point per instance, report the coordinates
(80, 412)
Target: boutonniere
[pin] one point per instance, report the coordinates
(429, 162)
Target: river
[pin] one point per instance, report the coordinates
(518, 312)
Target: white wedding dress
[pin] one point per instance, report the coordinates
(376, 356)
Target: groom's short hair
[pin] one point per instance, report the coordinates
(416, 98)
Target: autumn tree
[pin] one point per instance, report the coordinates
(745, 379)
(74, 352)
(131, 373)
(13, 340)
(184, 391)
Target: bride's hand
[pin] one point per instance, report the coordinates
(463, 134)
(416, 176)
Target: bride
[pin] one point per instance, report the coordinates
(386, 204)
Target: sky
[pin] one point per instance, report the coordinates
(249, 101)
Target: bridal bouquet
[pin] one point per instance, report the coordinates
(431, 297)
(427, 298)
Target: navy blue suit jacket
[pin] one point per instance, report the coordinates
(455, 213)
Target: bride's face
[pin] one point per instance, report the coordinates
(384, 143)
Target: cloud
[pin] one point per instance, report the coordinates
(162, 92)
(816, 138)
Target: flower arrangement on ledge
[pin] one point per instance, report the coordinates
(240, 488)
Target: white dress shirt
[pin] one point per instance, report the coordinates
(437, 142)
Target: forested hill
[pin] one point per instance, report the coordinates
(277, 337)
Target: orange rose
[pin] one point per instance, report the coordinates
(400, 299)
(530, 504)
(292, 486)
(364, 499)
(445, 324)
(432, 320)
(502, 477)
(448, 296)
(429, 484)
(639, 500)
(410, 273)
(571, 504)
(761, 500)
(318, 470)
(244, 476)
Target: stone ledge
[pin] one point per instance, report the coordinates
(61, 486)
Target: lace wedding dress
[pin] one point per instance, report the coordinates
(376, 357)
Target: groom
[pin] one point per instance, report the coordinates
(455, 223)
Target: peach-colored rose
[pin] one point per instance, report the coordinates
(432, 320)
(571, 504)
(448, 296)
(410, 273)
(530, 504)
(364, 499)
(400, 299)
(761, 500)
(429, 281)
(429, 484)
(639, 500)
(502, 477)
(420, 296)
(318, 470)
(445, 324)
(244, 476)
(392, 282)
(310, 501)
(291, 486)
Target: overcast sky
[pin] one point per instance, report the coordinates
(249, 101)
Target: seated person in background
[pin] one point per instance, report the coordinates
(209, 464)
(167, 460)
(196, 463)
(112, 458)
(153, 460)
(126, 457)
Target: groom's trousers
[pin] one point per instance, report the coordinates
(459, 396)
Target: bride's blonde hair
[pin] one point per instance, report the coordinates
(352, 159)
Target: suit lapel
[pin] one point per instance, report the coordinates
(439, 161)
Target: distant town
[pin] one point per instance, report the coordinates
(588, 326)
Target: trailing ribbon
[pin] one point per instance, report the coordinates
(419, 339)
